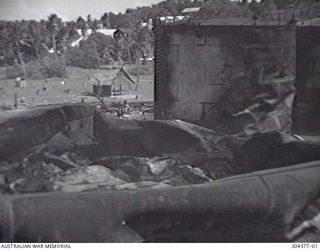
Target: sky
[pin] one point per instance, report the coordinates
(66, 9)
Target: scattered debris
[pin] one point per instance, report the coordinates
(157, 169)
(88, 178)
(77, 149)
(64, 164)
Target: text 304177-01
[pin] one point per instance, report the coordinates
(305, 245)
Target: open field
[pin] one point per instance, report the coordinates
(51, 91)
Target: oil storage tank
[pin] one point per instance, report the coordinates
(228, 77)
(307, 109)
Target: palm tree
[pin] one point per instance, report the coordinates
(6, 45)
(105, 20)
(94, 26)
(52, 25)
(35, 37)
(18, 39)
(81, 24)
(89, 20)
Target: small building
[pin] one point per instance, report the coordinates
(171, 19)
(111, 82)
(20, 82)
(122, 32)
(189, 11)
(102, 90)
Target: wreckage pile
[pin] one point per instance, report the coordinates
(75, 148)
(81, 148)
(71, 149)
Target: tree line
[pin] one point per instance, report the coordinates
(26, 41)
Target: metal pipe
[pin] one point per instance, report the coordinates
(255, 207)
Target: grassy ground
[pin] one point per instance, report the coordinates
(51, 91)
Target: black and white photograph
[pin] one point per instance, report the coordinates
(159, 121)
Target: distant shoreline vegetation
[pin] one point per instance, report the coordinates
(40, 49)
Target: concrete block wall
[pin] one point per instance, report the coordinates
(209, 68)
(194, 63)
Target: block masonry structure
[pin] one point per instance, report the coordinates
(235, 78)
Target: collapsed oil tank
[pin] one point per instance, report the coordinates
(228, 77)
